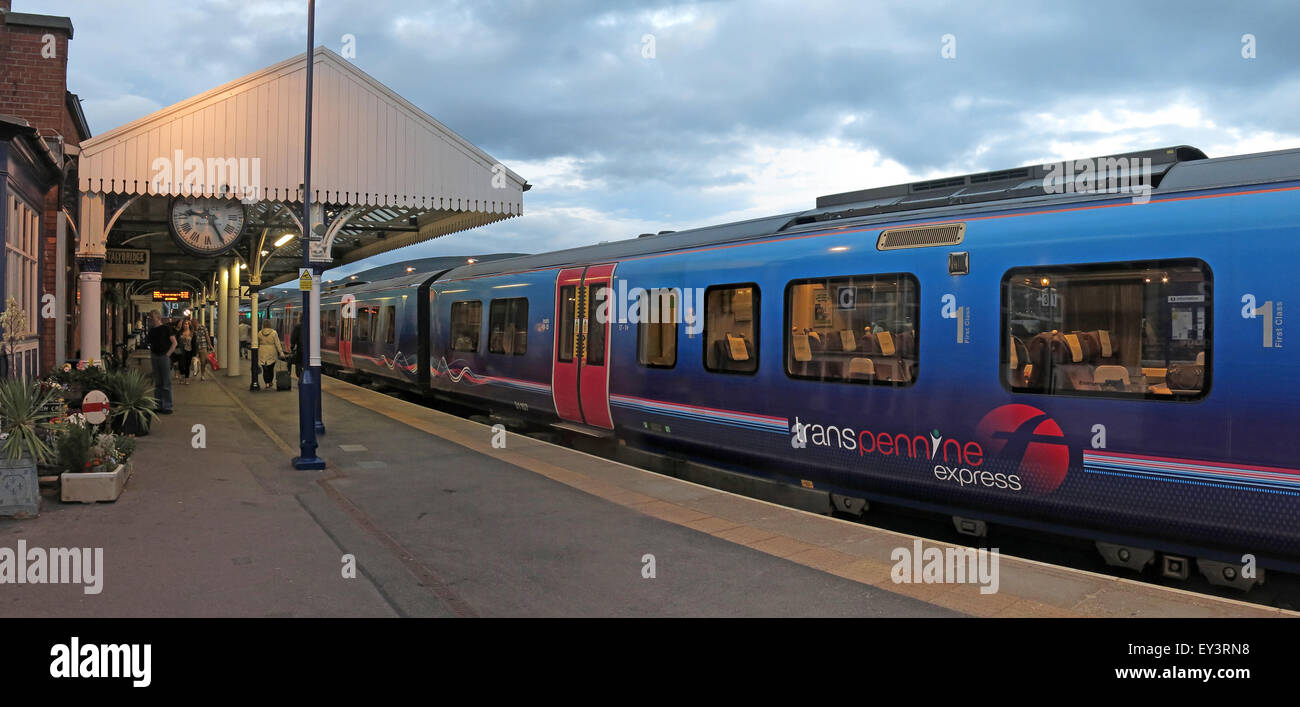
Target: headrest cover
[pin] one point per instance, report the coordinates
(886, 341)
(1076, 350)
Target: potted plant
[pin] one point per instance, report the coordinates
(131, 402)
(97, 466)
(24, 416)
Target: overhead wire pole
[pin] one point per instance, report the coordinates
(309, 383)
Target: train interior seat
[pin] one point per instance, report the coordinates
(734, 352)
(1111, 377)
(861, 369)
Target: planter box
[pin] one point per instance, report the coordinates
(20, 491)
(94, 486)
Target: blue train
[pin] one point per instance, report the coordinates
(1036, 347)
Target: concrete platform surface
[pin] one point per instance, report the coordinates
(442, 523)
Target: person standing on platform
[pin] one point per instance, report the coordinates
(204, 348)
(245, 338)
(295, 356)
(188, 346)
(162, 342)
(269, 353)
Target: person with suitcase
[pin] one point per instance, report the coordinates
(269, 353)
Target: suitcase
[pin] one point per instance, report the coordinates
(282, 379)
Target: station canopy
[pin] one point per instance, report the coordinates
(385, 174)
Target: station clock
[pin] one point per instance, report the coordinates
(206, 226)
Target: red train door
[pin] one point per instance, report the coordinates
(580, 365)
(347, 315)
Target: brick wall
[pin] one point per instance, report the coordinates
(34, 87)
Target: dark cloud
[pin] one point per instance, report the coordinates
(533, 81)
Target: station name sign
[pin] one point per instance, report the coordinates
(172, 295)
(126, 264)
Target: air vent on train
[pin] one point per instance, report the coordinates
(921, 236)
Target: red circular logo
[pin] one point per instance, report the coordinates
(1025, 433)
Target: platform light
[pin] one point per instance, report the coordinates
(410, 268)
(1148, 280)
(352, 277)
(1045, 282)
(283, 239)
(1165, 279)
(471, 261)
(266, 253)
(243, 266)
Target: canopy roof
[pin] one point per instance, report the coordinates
(371, 147)
(389, 172)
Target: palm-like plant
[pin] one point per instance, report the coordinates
(25, 410)
(131, 393)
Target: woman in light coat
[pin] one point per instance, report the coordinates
(269, 352)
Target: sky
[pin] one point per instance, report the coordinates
(634, 117)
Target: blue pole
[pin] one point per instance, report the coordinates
(309, 384)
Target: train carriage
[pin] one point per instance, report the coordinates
(997, 347)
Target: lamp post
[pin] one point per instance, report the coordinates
(309, 383)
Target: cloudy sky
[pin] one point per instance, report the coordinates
(739, 109)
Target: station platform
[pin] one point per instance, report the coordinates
(442, 523)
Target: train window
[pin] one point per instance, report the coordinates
(859, 329)
(508, 324)
(466, 321)
(330, 319)
(365, 326)
(568, 317)
(1130, 330)
(390, 324)
(595, 329)
(656, 334)
(731, 328)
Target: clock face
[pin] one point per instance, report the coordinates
(206, 226)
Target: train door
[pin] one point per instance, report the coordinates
(347, 315)
(580, 370)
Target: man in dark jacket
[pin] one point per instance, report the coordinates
(162, 343)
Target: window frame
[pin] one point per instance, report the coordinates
(1137, 266)
(786, 339)
(451, 330)
(506, 303)
(641, 329)
(758, 330)
(388, 324)
(564, 321)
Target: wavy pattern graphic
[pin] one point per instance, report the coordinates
(457, 371)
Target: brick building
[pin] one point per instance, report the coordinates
(34, 101)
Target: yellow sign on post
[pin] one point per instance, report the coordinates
(304, 280)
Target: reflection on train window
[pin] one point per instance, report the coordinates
(656, 332)
(568, 315)
(330, 318)
(365, 325)
(731, 328)
(859, 329)
(466, 321)
(508, 324)
(390, 324)
(595, 329)
(1139, 330)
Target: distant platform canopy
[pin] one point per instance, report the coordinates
(385, 174)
